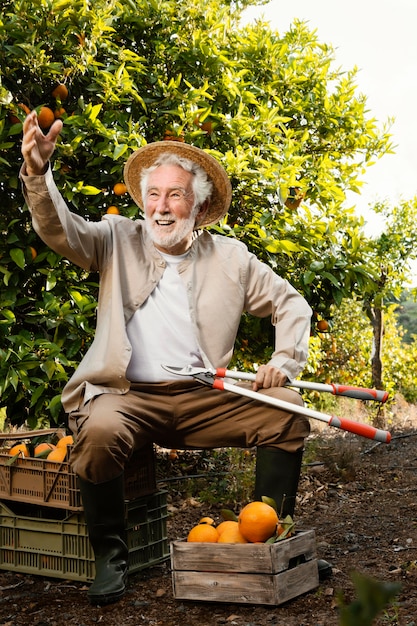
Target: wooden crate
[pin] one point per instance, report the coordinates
(245, 573)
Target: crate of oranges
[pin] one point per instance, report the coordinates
(35, 468)
(252, 558)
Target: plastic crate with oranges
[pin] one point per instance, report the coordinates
(53, 483)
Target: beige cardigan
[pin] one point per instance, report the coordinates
(223, 279)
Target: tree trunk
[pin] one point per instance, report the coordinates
(378, 330)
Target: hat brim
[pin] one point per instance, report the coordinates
(146, 156)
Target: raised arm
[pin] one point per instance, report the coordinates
(68, 233)
(38, 148)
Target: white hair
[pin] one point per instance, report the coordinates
(201, 185)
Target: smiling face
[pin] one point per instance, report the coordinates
(170, 214)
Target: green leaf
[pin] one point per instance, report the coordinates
(51, 281)
(288, 525)
(316, 266)
(6, 275)
(119, 151)
(228, 514)
(309, 277)
(89, 190)
(282, 245)
(372, 597)
(55, 407)
(9, 316)
(13, 459)
(13, 378)
(49, 368)
(39, 391)
(18, 256)
(331, 278)
(94, 111)
(270, 501)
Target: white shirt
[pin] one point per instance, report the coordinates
(161, 332)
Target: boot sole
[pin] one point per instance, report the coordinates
(108, 598)
(103, 600)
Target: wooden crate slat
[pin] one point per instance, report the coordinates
(268, 589)
(225, 557)
(252, 557)
(302, 544)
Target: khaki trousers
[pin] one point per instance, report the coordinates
(183, 415)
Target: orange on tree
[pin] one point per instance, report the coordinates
(13, 118)
(24, 108)
(258, 521)
(206, 126)
(46, 117)
(33, 253)
(60, 112)
(19, 448)
(60, 92)
(203, 533)
(294, 198)
(113, 210)
(120, 189)
(171, 135)
(323, 325)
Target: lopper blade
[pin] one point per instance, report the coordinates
(187, 370)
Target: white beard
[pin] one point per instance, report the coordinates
(173, 236)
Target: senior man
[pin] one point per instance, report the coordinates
(172, 293)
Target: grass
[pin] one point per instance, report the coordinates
(225, 476)
(221, 476)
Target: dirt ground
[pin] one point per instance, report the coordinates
(360, 498)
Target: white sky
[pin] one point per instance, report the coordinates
(379, 37)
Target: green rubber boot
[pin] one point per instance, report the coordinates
(277, 476)
(104, 510)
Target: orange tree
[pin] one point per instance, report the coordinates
(393, 252)
(289, 128)
(347, 352)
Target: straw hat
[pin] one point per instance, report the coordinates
(146, 156)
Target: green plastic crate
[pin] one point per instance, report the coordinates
(54, 543)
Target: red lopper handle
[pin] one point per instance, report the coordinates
(360, 394)
(363, 430)
(360, 429)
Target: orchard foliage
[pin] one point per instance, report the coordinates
(288, 126)
(346, 352)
